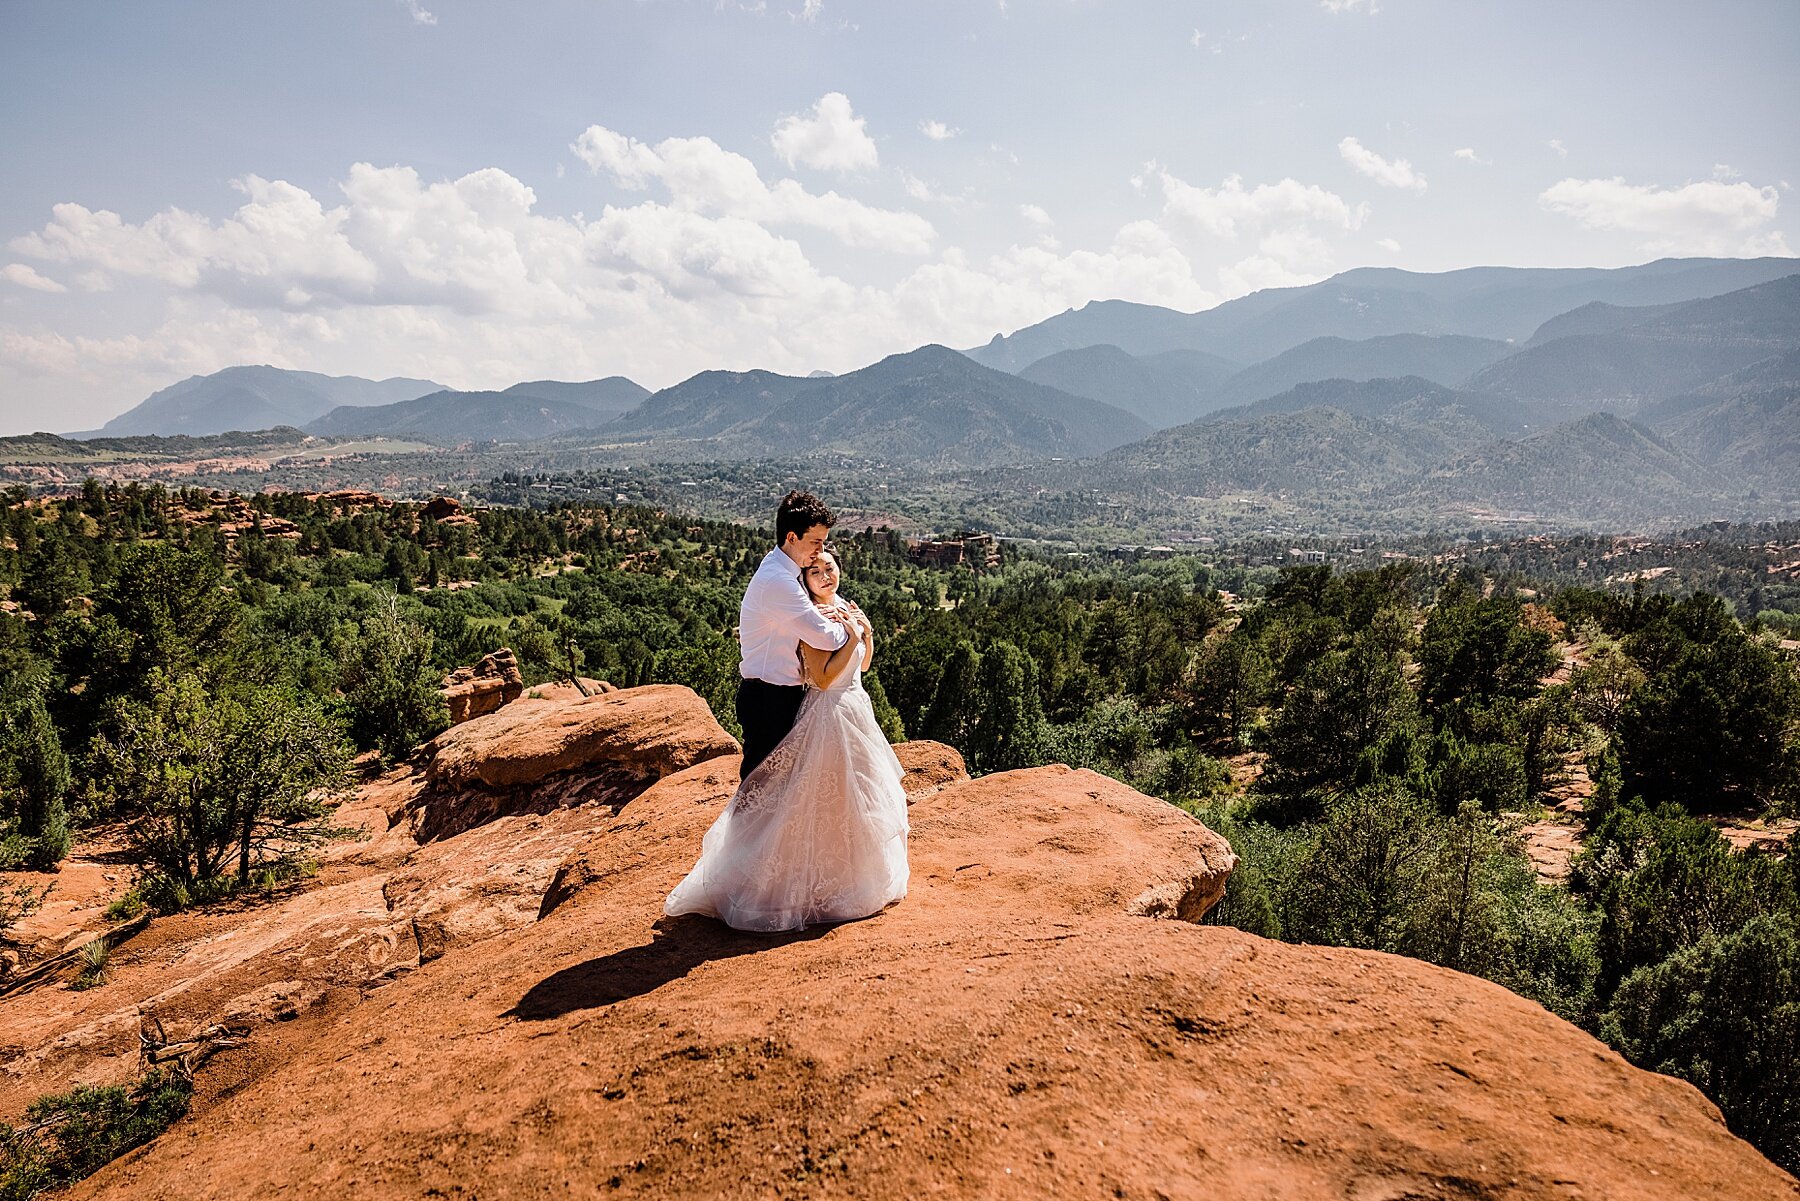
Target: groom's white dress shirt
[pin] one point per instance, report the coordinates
(776, 616)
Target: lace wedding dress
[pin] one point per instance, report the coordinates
(817, 833)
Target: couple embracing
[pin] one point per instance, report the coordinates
(816, 831)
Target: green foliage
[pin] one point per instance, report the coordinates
(126, 906)
(1663, 880)
(96, 958)
(1229, 682)
(1724, 1013)
(1344, 718)
(223, 781)
(69, 1136)
(34, 769)
(1714, 722)
(391, 695)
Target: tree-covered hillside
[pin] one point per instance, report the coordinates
(1376, 743)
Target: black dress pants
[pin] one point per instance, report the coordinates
(766, 712)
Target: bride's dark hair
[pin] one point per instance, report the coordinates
(807, 574)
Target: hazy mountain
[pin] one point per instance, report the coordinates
(609, 397)
(250, 398)
(929, 407)
(1503, 303)
(1165, 389)
(707, 404)
(1445, 359)
(1597, 469)
(1315, 450)
(1745, 424)
(448, 418)
(934, 406)
(1596, 318)
(1467, 416)
(1673, 352)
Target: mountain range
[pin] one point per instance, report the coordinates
(1503, 303)
(1671, 388)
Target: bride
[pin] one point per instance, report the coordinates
(817, 831)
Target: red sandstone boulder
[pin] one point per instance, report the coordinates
(645, 733)
(483, 688)
(929, 766)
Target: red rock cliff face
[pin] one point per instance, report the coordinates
(1033, 1020)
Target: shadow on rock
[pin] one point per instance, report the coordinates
(679, 946)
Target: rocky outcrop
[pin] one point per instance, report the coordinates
(481, 689)
(1027, 1022)
(640, 733)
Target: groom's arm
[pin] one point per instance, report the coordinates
(797, 614)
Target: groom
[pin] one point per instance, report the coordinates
(776, 616)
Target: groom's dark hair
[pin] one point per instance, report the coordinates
(798, 513)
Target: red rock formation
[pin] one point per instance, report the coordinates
(1019, 1026)
(483, 688)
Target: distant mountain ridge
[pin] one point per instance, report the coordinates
(255, 397)
(449, 418)
(928, 407)
(1164, 389)
(1674, 350)
(1446, 359)
(1490, 302)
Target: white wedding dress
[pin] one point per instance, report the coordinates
(817, 833)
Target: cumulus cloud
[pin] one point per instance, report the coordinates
(937, 131)
(1389, 245)
(1556, 144)
(831, 138)
(1284, 221)
(1350, 6)
(1036, 215)
(467, 282)
(419, 15)
(703, 176)
(1467, 154)
(26, 276)
(1395, 174)
(1710, 217)
(810, 10)
(1231, 208)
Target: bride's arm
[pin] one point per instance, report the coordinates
(824, 667)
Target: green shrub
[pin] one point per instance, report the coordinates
(96, 957)
(69, 1136)
(126, 907)
(1724, 1013)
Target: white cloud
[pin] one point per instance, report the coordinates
(1230, 208)
(1556, 144)
(1389, 245)
(27, 277)
(811, 9)
(703, 176)
(465, 281)
(1350, 6)
(1036, 215)
(937, 131)
(1286, 219)
(419, 15)
(1395, 174)
(1726, 171)
(832, 138)
(1711, 217)
(1467, 154)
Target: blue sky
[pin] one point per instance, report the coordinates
(482, 193)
